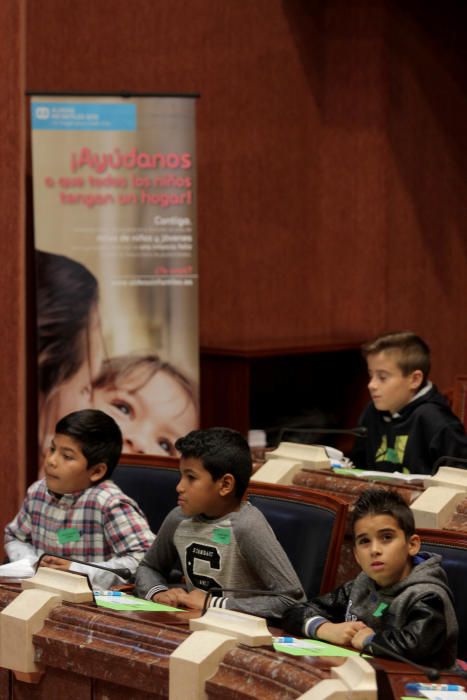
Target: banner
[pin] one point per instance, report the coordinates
(116, 248)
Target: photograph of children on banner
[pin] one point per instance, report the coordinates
(115, 230)
(153, 400)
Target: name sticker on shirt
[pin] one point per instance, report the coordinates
(221, 535)
(68, 534)
(380, 609)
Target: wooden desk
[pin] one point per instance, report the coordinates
(89, 653)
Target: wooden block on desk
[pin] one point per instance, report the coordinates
(248, 629)
(355, 679)
(73, 588)
(22, 618)
(448, 476)
(435, 506)
(196, 660)
(277, 471)
(331, 689)
(359, 676)
(311, 456)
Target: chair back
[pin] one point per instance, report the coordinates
(453, 548)
(151, 482)
(309, 525)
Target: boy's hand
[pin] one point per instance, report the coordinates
(194, 600)
(358, 640)
(341, 632)
(170, 597)
(55, 563)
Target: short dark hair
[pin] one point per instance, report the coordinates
(414, 352)
(222, 451)
(97, 434)
(383, 502)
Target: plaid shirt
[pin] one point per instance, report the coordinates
(93, 525)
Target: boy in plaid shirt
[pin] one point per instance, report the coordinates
(76, 511)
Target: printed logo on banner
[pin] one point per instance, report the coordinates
(79, 116)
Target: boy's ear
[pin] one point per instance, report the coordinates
(97, 471)
(414, 543)
(227, 485)
(416, 379)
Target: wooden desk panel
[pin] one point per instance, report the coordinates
(350, 487)
(93, 654)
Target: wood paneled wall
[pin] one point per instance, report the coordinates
(332, 151)
(332, 157)
(12, 255)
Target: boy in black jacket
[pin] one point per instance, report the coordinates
(400, 600)
(409, 423)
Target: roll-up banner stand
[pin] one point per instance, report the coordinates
(114, 182)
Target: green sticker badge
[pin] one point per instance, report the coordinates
(221, 535)
(68, 534)
(380, 609)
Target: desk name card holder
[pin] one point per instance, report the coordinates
(436, 505)
(311, 456)
(218, 631)
(248, 629)
(453, 477)
(25, 616)
(355, 679)
(198, 657)
(277, 471)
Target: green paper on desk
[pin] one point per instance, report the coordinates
(313, 647)
(345, 471)
(131, 603)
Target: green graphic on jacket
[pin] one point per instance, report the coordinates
(394, 455)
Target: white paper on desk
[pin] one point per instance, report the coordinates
(390, 475)
(444, 694)
(18, 569)
(337, 459)
(121, 599)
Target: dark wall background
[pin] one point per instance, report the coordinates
(332, 155)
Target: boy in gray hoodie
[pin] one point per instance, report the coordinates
(400, 600)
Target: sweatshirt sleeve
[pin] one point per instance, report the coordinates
(126, 531)
(154, 570)
(266, 558)
(17, 536)
(305, 618)
(449, 441)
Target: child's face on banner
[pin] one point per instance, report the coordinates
(151, 417)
